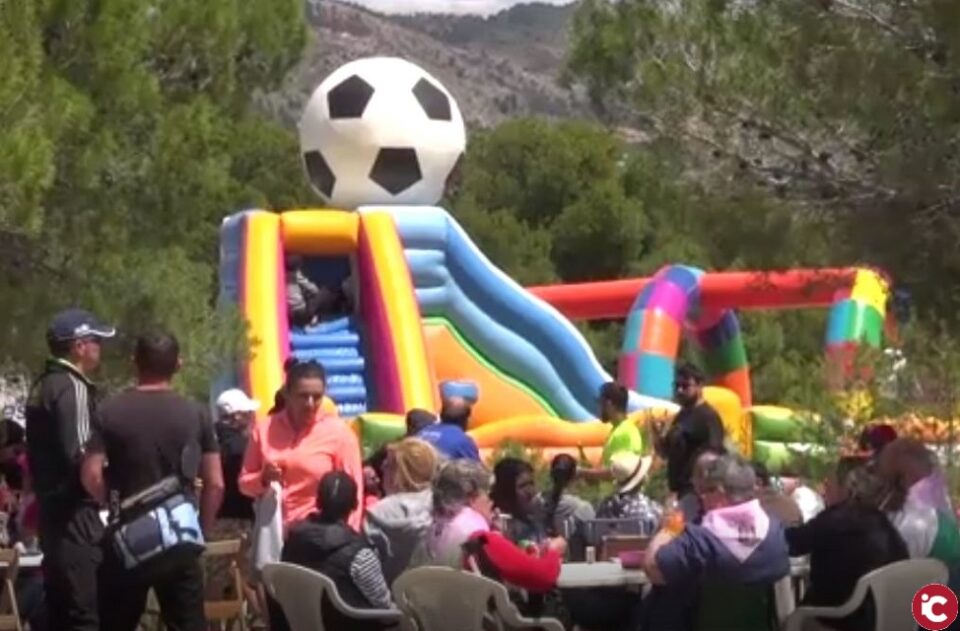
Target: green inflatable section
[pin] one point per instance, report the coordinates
(777, 456)
(375, 430)
(774, 455)
(775, 424)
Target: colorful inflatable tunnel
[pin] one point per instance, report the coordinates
(680, 300)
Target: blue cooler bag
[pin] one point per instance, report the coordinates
(172, 524)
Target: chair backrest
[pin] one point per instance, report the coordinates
(613, 545)
(301, 593)
(225, 547)
(895, 584)
(442, 598)
(596, 529)
(224, 599)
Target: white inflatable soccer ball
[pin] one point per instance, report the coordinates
(381, 131)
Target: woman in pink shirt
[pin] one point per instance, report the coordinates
(298, 445)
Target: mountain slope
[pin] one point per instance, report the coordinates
(498, 67)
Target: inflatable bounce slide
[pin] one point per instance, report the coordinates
(381, 140)
(431, 307)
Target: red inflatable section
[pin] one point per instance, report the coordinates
(790, 289)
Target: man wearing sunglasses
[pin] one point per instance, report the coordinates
(58, 413)
(696, 428)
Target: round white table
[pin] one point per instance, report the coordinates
(600, 574)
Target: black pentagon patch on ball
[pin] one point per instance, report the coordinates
(349, 98)
(433, 101)
(396, 169)
(319, 172)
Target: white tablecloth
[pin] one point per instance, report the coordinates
(28, 561)
(31, 560)
(610, 574)
(600, 574)
(799, 566)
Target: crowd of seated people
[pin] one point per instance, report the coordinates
(19, 515)
(432, 501)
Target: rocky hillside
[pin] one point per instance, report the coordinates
(498, 67)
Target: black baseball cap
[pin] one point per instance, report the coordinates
(74, 324)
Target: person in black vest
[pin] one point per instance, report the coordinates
(150, 434)
(325, 543)
(696, 428)
(58, 412)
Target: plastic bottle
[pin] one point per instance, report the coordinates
(673, 520)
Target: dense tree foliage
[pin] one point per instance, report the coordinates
(847, 109)
(126, 136)
(781, 134)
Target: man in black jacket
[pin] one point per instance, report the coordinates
(59, 409)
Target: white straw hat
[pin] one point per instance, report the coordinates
(629, 470)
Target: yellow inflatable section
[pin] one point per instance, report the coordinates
(551, 435)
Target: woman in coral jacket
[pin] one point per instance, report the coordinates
(461, 536)
(300, 444)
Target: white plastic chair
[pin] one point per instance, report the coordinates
(893, 587)
(300, 592)
(442, 598)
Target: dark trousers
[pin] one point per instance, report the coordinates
(177, 580)
(671, 608)
(71, 561)
(31, 600)
(604, 608)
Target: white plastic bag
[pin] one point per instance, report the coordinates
(267, 528)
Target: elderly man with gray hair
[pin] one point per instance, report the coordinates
(736, 542)
(461, 534)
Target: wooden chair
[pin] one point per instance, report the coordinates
(9, 612)
(227, 613)
(612, 545)
(151, 620)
